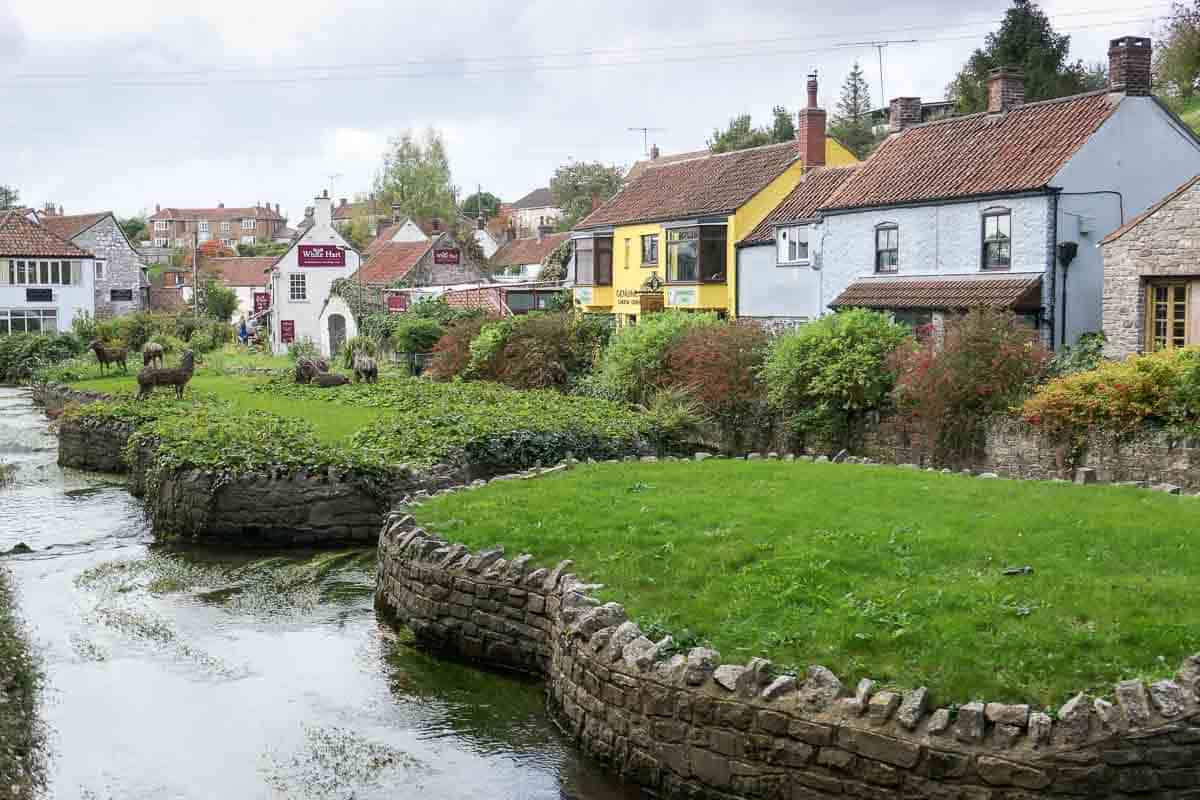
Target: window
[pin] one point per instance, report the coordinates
(683, 255)
(120, 295)
(604, 255)
(99, 270)
(297, 286)
(628, 247)
(650, 250)
(712, 253)
(997, 242)
(204, 226)
(39, 273)
(228, 242)
(248, 224)
(1166, 316)
(178, 242)
(793, 245)
(247, 240)
(162, 225)
(28, 320)
(914, 320)
(226, 227)
(887, 248)
(161, 241)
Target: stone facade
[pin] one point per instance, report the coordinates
(687, 725)
(1162, 244)
(122, 269)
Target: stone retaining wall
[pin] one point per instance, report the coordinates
(687, 725)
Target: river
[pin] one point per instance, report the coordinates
(207, 673)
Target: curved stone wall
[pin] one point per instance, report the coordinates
(688, 725)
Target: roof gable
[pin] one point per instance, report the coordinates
(70, 226)
(1149, 212)
(538, 198)
(388, 261)
(802, 202)
(527, 251)
(20, 237)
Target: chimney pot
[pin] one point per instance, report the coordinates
(812, 90)
(344, 201)
(157, 208)
(810, 129)
(1129, 66)
(903, 112)
(1006, 89)
(277, 208)
(220, 205)
(654, 153)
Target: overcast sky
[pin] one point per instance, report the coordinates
(121, 105)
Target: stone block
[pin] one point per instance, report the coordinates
(898, 752)
(730, 676)
(711, 768)
(971, 723)
(1006, 714)
(781, 686)
(1085, 475)
(882, 706)
(939, 721)
(1134, 701)
(999, 772)
(811, 732)
(1168, 698)
(913, 707)
(820, 688)
(1075, 719)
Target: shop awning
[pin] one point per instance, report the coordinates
(1016, 292)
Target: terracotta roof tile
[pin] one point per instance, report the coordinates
(979, 154)
(70, 226)
(239, 271)
(802, 203)
(949, 292)
(217, 214)
(20, 237)
(538, 198)
(527, 251)
(388, 262)
(639, 167)
(710, 184)
(1149, 212)
(489, 299)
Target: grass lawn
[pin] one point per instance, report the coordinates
(874, 572)
(1191, 113)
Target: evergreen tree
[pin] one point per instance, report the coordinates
(738, 135)
(852, 119)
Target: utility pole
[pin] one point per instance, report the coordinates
(879, 46)
(645, 137)
(195, 273)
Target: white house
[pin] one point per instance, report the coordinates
(300, 283)
(245, 276)
(1006, 208)
(45, 281)
(535, 211)
(520, 260)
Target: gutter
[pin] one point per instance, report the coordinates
(940, 201)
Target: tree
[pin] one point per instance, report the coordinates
(134, 227)
(574, 185)
(9, 197)
(738, 135)
(464, 235)
(217, 301)
(1177, 63)
(489, 202)
(852, 119)
(783, 129)
(1028, 41)
(416, 175)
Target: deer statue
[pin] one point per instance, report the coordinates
(153, 353)
(365, 369)
(109, 355)
(178, 377)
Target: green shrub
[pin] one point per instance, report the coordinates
(675, 418)
(486, 347)
(84, 326)
(823, 376)
(1086, 355)
(415, 334)
(633, 365)
(354, 346)
(303, 348)
(452, 352)
(170, 344)
(25, 355)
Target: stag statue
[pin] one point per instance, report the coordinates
(109, 355)
(365, 369)
(153, 353)
(328, 379)
(178, 377)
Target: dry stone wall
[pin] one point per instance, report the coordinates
(685, 724)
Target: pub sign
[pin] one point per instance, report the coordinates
(321, 255)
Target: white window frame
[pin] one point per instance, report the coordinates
(7, 315)
(247, 240)
(226, 227)
(39, 272)
(298, 287)
(178, 242)
(101, 269)
(203, 226)
(249, 223)
(785, 238)
(162, 225)
(162, 241)
(228, 242)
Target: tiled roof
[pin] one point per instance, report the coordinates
(20, 237)
(538, 198)
(69, 227)
(710, 184)
(639, 167)
(979, 154)
(802, 203)
(239, 271)
(217, 214)
(388, 262)
(489, 299)
(1149, 212)
(527, 251)
(949, 292)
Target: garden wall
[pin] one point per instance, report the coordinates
(686, 725)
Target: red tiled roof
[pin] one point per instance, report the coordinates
(711, 184)
(239, 271)
(527, 251)
(487, 298)
(802, 203)
(538, 198)
(20, 237)
(951, 292)
(979, 154)
(68, 227)
(1149, 212)
(389, 261)
(217, 214)
(639, 167)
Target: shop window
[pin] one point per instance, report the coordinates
(887, 248)
(1167, 316)
(997, 239)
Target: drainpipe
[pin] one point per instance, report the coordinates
(1054, 254)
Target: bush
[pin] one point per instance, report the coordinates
(24, 354)
(83, 326)
(675, 418)
(303, 348)
(403, 333)
(633, 367)
(440, 311)
(452, 353)
(169, 344)
(823, 376)
(357, 345)
(987, 362)
(485, 348)
(535, 351)
(1086, 355)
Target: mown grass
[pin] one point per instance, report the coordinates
(873, 572)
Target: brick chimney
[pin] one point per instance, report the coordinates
(1006, 89)
(1129, 66)
(654, 153)
(157, 208)
(396, 212)
(810, 132)
(903, 112)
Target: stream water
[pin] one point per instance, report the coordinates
(205, 673)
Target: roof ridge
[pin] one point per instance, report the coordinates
(1015, 109)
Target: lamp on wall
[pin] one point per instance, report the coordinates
(1067, 252)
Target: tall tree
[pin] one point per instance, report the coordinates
(1177, 62)
(416, 175)
(851, 123)
(134, 227)
(783, 126)
(1026, 39)
(738, 135)
(575, 184)
(9, 196)
(489, 202)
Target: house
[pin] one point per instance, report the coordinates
(1152, 277)
(46, 282)
(300, 281)
(522, 259)
(245, 276)
(404, 252)
(374, 212)
(1005, 207)
(533, 211)
(667, 239)
(176, 227)
(284, 235)
(120, 280)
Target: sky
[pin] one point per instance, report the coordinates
(128, 104)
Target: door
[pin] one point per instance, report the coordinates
(337, 333)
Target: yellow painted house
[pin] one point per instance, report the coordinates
(667, 240)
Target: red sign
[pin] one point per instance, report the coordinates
(397, 303)
(287, 330)
(262, 301)
(321, 255)
(447, 256)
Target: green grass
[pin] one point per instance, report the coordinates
(1190, 111)
(873, 572)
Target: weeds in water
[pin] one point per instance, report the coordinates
(338, 763)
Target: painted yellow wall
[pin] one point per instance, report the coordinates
(602, 299)
(628, 273)
(836, 155)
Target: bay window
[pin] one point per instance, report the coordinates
(696, 255)
(593, 261)
(793, 245)
(161, 225)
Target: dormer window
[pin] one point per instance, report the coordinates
(887, 247)
(793, 244)
(997, 238)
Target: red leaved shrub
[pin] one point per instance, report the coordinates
(452, 353)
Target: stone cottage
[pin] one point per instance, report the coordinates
(1152, 277)
(121, 284)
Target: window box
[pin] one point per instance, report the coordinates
(793, 245)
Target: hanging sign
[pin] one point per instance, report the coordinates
(397, 303)
(447, 256)
(287, 330)
(262, 302)
(321, 255)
